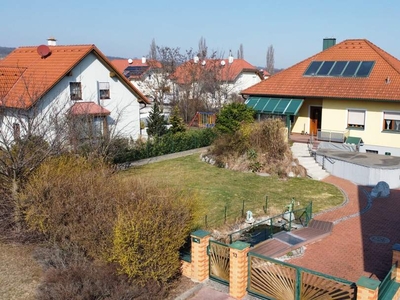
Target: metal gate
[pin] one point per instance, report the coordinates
(273, 279)
(219, 261)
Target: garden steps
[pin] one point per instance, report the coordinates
(302, 153)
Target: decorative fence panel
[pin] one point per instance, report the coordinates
(273, 279)
(219, 254)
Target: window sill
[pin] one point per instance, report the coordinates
(390, 131)
(356, 128)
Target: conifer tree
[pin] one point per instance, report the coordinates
(156, 125)
(178, 125)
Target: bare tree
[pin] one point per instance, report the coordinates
(153, 50)
(203, 49)
(240, 52)
(35, 128)
(30, 133)
(270, 60)
(158, 79)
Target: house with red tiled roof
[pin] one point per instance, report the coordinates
(350, 89)
(223, 79)
(75, 80)
(140, 72)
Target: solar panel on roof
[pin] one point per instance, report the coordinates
(365, 69)
(325, 68)
(338, 68)
(351, 68)
(135, 70)
(313, 68)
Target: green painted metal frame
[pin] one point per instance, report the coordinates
(299, 271)
(275, 106)
(387, 283)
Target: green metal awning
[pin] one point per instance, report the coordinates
(276, 106)
(353, 140)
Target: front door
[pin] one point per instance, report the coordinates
(315, 119)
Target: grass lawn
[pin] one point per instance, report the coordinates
(219, 189)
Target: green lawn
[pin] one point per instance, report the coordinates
(220, 189)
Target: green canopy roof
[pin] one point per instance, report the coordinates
(353, 140)
(276, 106)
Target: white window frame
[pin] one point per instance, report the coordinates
(104, 90)
(356, 118)
(75, 94)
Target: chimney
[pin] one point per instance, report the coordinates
(51, 41)
(328, 42)
(143, 59)
(230, 58)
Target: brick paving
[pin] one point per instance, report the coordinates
(350, 251)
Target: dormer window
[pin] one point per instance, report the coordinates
(75, 90)
(104, 90)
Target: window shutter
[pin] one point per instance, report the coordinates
(104, 85)
(391, 116)
(356, 117)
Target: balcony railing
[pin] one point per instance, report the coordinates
(332, 135)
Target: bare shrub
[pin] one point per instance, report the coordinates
(149, 232)
(93, 281)
(71, 200)
(82, 207)
(257, 147)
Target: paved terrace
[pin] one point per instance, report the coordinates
(362, 238)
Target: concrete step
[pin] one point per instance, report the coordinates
(314, 170)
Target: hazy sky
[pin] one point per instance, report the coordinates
(126, 28)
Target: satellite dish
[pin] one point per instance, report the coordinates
(43, 51)
(222, 63)
(203, 63)
(130, 61)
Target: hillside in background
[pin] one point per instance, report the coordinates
(4, 51)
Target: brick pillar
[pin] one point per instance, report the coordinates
(199, 256)
(396, 260)
(367, 289)
(238, 269)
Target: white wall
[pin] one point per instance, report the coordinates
(124, 119)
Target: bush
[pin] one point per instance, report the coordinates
(166, 144)
(256, 147)
(149, 233)
(232, 116)
(72, 200)
(84, 209)
(71, 276)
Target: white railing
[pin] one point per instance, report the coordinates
(332, 135)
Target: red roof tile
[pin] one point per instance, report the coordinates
(26, 76)
(88, 108)
(291, 82)
(224, 70)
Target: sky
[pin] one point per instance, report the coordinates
(295, 28)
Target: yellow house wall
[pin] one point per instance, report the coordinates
(334, 117)
(302, 121)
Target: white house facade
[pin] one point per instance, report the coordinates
(69, 80)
